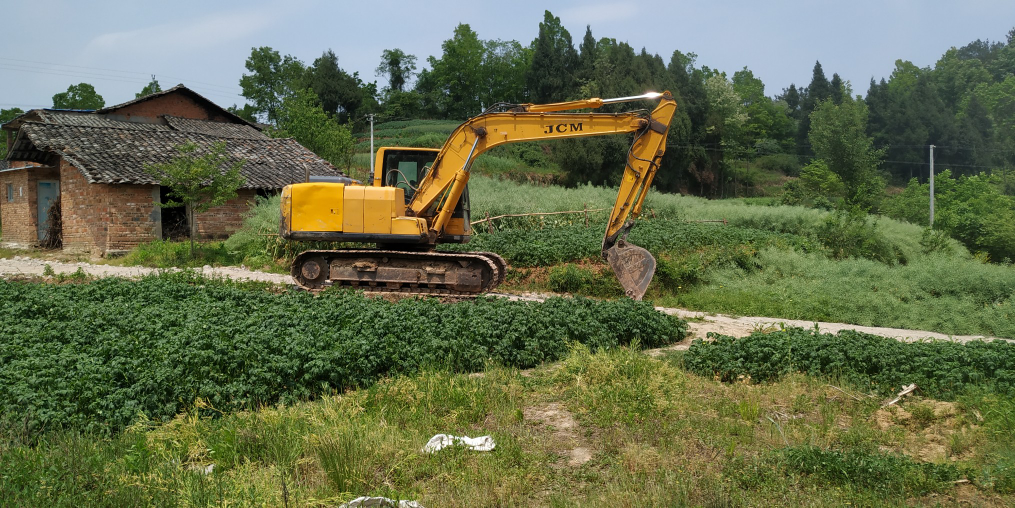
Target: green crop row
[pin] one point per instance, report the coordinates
(531, 243)
(93, 356)
(941, 369)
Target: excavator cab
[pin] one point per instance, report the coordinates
(404, 168)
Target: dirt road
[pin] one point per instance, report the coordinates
(700, 323)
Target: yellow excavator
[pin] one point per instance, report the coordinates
(419, 198)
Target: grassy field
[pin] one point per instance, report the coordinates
(608, 428)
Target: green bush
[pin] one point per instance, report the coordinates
(942, 369)
(93, 356)
(787, 164)
(569, 278)
(856, 235)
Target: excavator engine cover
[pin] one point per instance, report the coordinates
(634, 267)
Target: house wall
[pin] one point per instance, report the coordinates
(84, 213)
(99, 218)
(15, 216)
(222, 221)
(19, 219)
(175, 104)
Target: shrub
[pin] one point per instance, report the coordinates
(856, 235)
(569, 278)
(942, 369)
(785, 163)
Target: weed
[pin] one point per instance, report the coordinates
(922, 414)
(569, 278)
(883, 473)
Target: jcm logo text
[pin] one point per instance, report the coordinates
(563, 127)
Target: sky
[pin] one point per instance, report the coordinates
(118, 45)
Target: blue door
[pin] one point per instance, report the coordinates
(49, 191)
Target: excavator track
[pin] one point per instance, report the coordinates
(462, 274)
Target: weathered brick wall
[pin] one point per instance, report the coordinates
(132, 215)
(98, 218)
(18, 229)
(85, 213)
(224, 220)
(176, 104)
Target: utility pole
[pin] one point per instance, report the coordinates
(932, 186)
(371, 115)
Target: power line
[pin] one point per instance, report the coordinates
(88, 70)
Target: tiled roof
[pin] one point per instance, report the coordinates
(172, 123)
(107, 155)
(93, 120)
(219, 129)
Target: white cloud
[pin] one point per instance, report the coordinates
(183, 36)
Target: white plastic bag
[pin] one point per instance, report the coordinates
(441, 441)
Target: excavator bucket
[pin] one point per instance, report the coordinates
(633, 266)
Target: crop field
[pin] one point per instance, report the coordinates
(95, 356)
(727, 423)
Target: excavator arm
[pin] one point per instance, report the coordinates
(442, 187)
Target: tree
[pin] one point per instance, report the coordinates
(149, 89)
(768, 123)
(819, 90)
(586, 58)
(837, 88)
(397, 67)
(272, 78)
(838, 135)
(554, 60)
(247, 112)
(455, 81)
(6, 115)
(338, 91)
(723, 126)
(504, 65)
(791, 96)
(300, 117)
(79, 96)
(198, 182)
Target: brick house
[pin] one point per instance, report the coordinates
(91, 165)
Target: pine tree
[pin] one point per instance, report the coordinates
(554, 60)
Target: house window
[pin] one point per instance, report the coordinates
(10, 192)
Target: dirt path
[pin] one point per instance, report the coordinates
(31, 266)
(700, 323)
